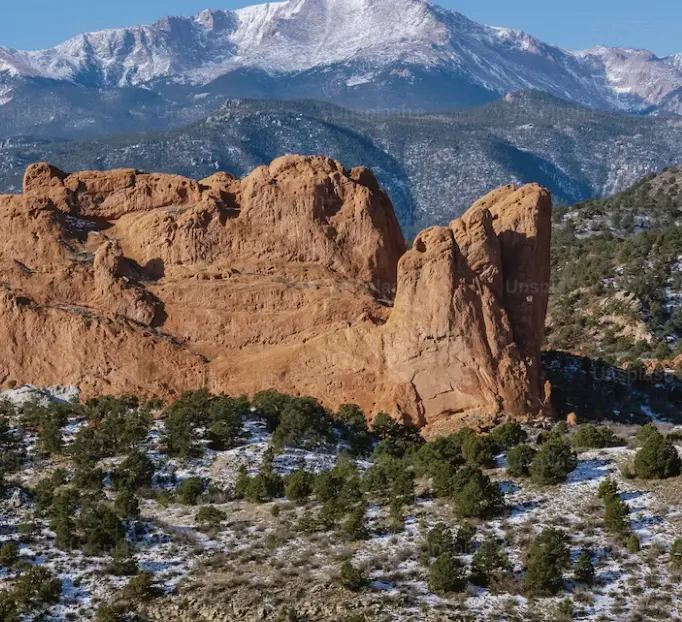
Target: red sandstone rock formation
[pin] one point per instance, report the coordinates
(152, 284)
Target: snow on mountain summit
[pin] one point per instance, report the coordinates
(355, 43)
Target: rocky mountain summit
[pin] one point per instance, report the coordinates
(295, 277)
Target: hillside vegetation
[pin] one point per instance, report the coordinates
(222, 508)
(617, 273)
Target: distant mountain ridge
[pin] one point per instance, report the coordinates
(433, 165)
(399, 55)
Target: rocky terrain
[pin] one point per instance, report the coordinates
(294, 278)
(433, 166)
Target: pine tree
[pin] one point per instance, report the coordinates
(549, 556)
(489, 562)
(446, 575)
(657, 459)
(123, 562)
(584, 568)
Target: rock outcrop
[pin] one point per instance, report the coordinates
(295, 277)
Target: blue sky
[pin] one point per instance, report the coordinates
(651, 24)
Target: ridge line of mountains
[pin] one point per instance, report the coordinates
(432, 165)
(360, 54)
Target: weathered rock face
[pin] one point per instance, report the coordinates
(132, 282)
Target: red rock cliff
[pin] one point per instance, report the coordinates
(152, 284)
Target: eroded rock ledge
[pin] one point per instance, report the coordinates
(125, 281)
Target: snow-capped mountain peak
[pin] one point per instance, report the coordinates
(348, 46)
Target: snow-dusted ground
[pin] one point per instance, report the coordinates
(176, 551)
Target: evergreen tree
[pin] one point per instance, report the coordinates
(549, 556)
(189, 491)
(352, 578)
(210, 517)
(553, 462)
(489, 562)
(509, 435)
(299, 486)
(356, 524)
(476, 495)
(126, 506)
(584, 568)
(123, 562)
(519, 459)
(446, 575)
(62, 518)
(657, 459)
(440, 540)
(397, 518)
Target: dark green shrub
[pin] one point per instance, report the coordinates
(432, 455)
(519, 459)
(44, 490)
(558, 432)
(352, 578)
(395, 439)
(299, 486)
(489, 563)
(509, 435)
(141, 588)
(50, 436)
(439, 540)
(37, 585)
(616, 515)
(242, 483)
(657, 459)
(226, 421)
(443, 478)
(210, 517)
(353, 424)
(390, 477)
(270, 404)
(595, 437)
(553, 462)
(548, 557)
(111, 613)
(265, 486)
(9, 554)
(179, 434)
(136, 471)
(304, 423)
(397, 518)
(101, 527)
(607, 488)
(126, 506)
(123, 562)
(584, 568)
(646, 431)
(476, 495)
(189, 491)
(446, 575)
(62, 518)
(465, 538)
(356, 524)
(9, 611)
(479, 450)
(632, 543)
